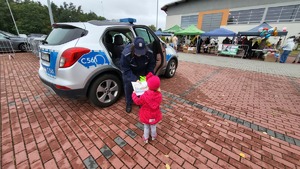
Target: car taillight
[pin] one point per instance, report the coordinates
(70, 56)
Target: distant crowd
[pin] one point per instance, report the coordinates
(250, 46)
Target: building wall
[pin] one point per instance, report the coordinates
(173, 20)
(203, 7)
(207, 5)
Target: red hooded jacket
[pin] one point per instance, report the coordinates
(150, 101)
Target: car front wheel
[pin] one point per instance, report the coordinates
(22, 47)
(105, 90)
(171, 68)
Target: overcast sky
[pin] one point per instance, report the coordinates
(143, 10)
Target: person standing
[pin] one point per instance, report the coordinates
(226, 41)
(278, 44)
(262, 46)
(206, 42)
(245, 46)
(150, 101)
(230, 41)
(175, 42)
(249, 49)
(199, 44)
(136, 60)
(287, 49)
(254, 46)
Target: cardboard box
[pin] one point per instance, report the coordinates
(185, 49)
(270, 57)
(192, 50)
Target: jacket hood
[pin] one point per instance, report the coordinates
(153, 99)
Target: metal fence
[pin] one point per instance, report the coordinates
(6, 48)
(9, 47)
(34, 45)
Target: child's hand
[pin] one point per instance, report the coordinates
(159, 90)
(133, 92)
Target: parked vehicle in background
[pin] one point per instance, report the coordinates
(77, 59)
(17, 43)
(35, 41)
(35, 35)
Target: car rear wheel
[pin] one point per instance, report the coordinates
(105, 91)
(171, 68)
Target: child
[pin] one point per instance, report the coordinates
(277, 54)
(150, 101)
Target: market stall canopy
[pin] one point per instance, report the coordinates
(173, 29)
(191, 30)
(159, 33)
(219, 32)
(255, 31)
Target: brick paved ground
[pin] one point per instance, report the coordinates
(211, 114)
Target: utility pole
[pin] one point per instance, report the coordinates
(50, 13)
(12, 17)
(156, 14)
(102, 8)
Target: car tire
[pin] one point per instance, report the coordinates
(22, 47)
(105, 90)
(171, 68)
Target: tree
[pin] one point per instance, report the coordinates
(152, 27)
(71, 13)
(33, 17)
(5, 19)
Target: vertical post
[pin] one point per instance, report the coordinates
(263, 19)
(156, 14)
(12, 17)
(50, 13)
(102, 8)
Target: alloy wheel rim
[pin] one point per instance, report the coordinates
(107, 91)
(172, 68)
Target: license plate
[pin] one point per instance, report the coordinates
(45, 57)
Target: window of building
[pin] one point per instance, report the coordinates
(211, 21)
(297, 17)
(283, 14)
(246, 16)
(186, 21)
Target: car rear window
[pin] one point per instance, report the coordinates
(64, 34)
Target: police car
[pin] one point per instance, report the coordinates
(77, 58)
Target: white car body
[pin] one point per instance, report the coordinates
(77, 80)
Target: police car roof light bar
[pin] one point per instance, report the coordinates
(129, 20)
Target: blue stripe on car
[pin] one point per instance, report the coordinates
(168, 57)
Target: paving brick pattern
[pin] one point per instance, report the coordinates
(268, 100)
(204, 112)
(286, 69)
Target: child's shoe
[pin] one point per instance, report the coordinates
(145, 140)
(154, 137)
